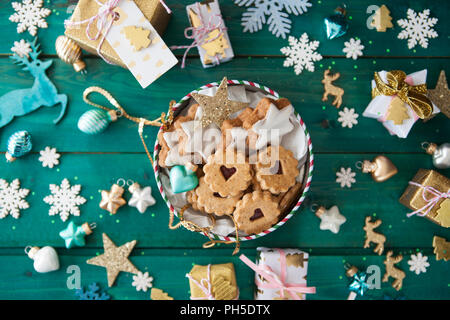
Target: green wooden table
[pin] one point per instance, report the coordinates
(96, 162)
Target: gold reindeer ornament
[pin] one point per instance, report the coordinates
(332, 89)
(392, 271)
(372, 236)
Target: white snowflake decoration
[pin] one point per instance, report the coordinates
(142, 281)
(278, 21)
(348, 117)
(301, 53)
(345, 177)
(417, 28)
(22, 48)
(49, 157)
(64, 200)
(418, 263)
(12, 199)
(353, 49)
(29, 15)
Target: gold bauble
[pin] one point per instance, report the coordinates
(70, 52)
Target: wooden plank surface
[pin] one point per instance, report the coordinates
(96, 162)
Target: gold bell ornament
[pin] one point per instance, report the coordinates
(70, 52)
(381, 168)
(440, 154)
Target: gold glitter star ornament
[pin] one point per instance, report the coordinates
(218, 108)
(114, 259)
(440, 95)
(112, 200)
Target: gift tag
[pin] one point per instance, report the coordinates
(147, 59)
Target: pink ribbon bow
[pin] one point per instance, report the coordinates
(277, 282)
(199, 34)
(105, 11)
(430, 202)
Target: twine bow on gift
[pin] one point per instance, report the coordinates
(277, 282)
(414, 96)
(105, 12)
(200, 34)
(430, 202)
(206, 286)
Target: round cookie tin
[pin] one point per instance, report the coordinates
(251, 86)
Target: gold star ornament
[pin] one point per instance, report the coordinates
(112, 200)
(114, 259)
(441, 95)
(218, 108)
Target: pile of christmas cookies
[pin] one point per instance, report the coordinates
(228, 158)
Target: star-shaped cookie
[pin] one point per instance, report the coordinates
(218, 108)
(114, 259)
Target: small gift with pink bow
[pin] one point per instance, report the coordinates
(399, 100)
(428, 194)
(280, 274)
(213, 282)
(126, 33)
(208, 33)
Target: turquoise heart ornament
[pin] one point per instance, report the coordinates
(336, 25)
(182, 179)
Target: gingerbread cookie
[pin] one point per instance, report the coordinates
(286, 199)
(192, 199)
(256, 212)
(261, 109)
(227, 172)
(212, 202)
(276, 169)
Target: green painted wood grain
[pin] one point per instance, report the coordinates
(168, 268)
(97, 162)
(305, 92)
(100, 171)
(263, 42)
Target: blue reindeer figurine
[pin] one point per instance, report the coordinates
(43, 92)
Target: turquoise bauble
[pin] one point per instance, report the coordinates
(182, 179)
(19, 144)
(96, 120)
(336, 25)
(74, 235)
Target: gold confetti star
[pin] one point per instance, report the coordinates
(440, 95)
(114, 259)
(218, 108)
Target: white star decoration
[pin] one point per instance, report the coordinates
(418, 263)
(332, 219)
(273, 127)
(142, 281)
(142, 199)
(345, 177)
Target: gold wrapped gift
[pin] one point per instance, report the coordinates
(153, 10)
(428, 193)
(214, 281)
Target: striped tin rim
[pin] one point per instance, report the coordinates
(308, 177)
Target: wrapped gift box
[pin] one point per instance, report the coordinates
(427, 194)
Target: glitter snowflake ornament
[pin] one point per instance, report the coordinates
(353, 49)
(12, 199)
(417, 28)
(49, 157)
(22, 48)
(301, 53)
(64, 200)
(347, 117)
(418, 263)
(142, 281)
(345, 177)
(278, 20)
(29, 15)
